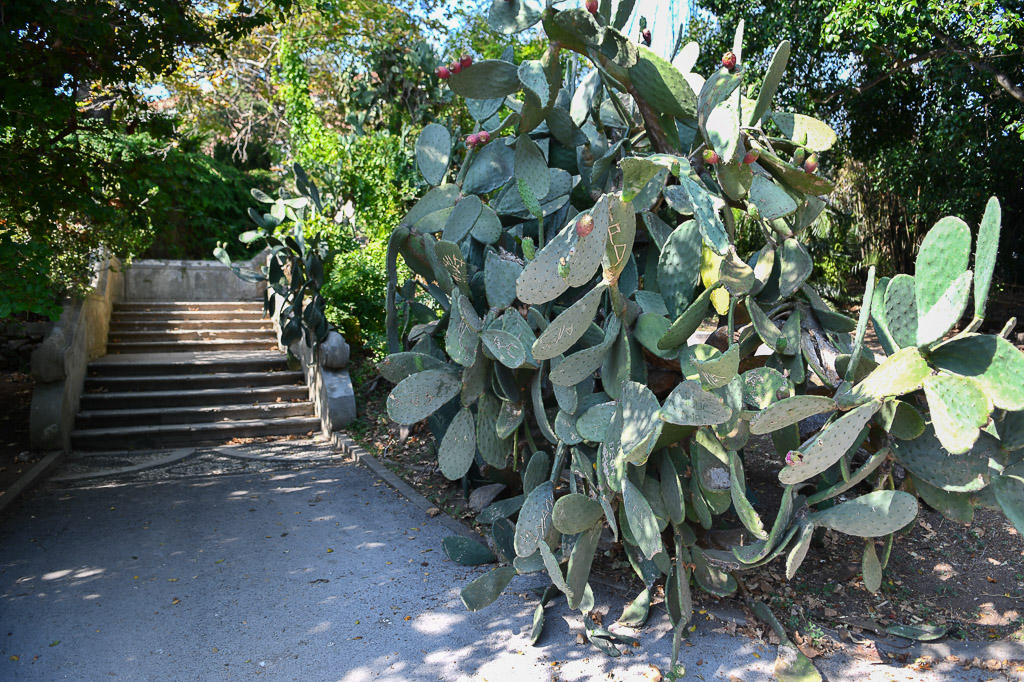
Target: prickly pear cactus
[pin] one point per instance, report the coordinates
(562, 262)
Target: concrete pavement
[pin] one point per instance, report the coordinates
(223, 568)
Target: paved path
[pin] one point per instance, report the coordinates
(292, 571)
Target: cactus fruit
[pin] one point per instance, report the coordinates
(443, 72)
(472, 140)
(591, 6)
(455, 67)
(585, 225)
(465, 61)
(729, 60)
(811, 164)
(711, 156)
(646, 36)
(484, 137)
(751, 156)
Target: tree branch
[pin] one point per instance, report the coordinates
(898, 66)
(1001, 78)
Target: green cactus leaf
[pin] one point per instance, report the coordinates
(873, 462)
(509, 202)
(531, 167)
(431, 212)
(794, 177)
(1009, 490)
(537, 471)
(487, 228)
(512, 16)
(716, 89)
(985, 254)
(466, 552)
(662, 85)
(641, 520)
(901, 373)
(398, 366)
(678, 267)
(735, 179)
(959, 408)
(636, 173)
(944, 255)
(565, 429)
(433, 152)
(640, 424)
(420, 395)
(589, 248)
(510, 416)
(500, 275)
(736, 276)
(991, 360)
(529, 564)
(869, 516)
(494, 450)
(687, 323)
(926, 459)
(878, 319)
(564, 129)
(720, 370)
(767, 330)
(461, 339)
(799, 550)
(567, 328)
(505, 347)
(581, 364)
(621, 232)
(648, 331)
(534, 519)
(690, 405)
(678, 599)
(796, 267)
(1011, 431)
(585, 96)
(503, 533)
(922, 633)
(770, 84)
(541, 281)
(711, 579)
(491, 167)
(954, 506)
(671, 490)
(458, 447)
(501, 510)
(486, 589)
(462, 219)
(593, 423)
(871, 568)
(704, 211)
(807, 131)
(763, 385)
(576, 513)
(901, 310)
(723, 130)
(933, 324)
(486, 79)
(831, 443)
(900, 420)
(483, 110)
(636, 612)
(738, 489)
(788, 411)
(771, 200)
(580, 561)
(554, 569)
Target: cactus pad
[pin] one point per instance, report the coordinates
(500, 275)
(590, 248)
(788, 411)
(831, 443)
(816, 136)
(398, 366)
(641, 520)
(462, 218)
(493, 450)
(926, 459)
(433, 152)
(985, 254)
(704, 212)
(576, 513)
(534, 519)
(690, 405)
(720, 370)
(870, 516)
(678, 265)
(959, 408)
(901, 373)
(567, 328)
(932, 324)
(1009, 490)
(991, 360)
(487, 79)
(506, 348)
(796, 267)
(640, 424)
(466, 552)
(770, 84)
(458, 447)
(420, 395)
(483, 591)
(901, 310)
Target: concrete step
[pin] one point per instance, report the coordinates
(188, 305)
(193, 362)
(244, 395)
(200, 345)
(166, 435)
(93, 419)
(213, 316)
(191, 382)
(169, 324)
(208, 334)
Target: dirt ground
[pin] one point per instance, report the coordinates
(16, 456)
(967, 578)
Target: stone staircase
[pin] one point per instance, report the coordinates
(184, 373)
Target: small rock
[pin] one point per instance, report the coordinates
(433, 511)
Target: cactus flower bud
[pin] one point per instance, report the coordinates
(472, 140)
(455, 67)
(751, 156)
(729, 60)
(466, 61)
(443, 73)
(798, 156)
(592, 6)
(753, 212)
(484, 137)
(529, 249)
(811, 164)
(794, 457)
(711, 156)
(646, 35)
(563, 268)
(585, 225)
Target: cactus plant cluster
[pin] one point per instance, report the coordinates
(560, 271)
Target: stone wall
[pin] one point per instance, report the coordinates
(191, 280)
(18, 340)
(59, 362)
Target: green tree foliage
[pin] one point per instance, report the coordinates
(925, 97)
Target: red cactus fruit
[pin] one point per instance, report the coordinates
(484, 137)
(466, 61)
(711, 156)
(811, 164)
(729, 60)
(443, 73)
(472, 140)
(646, 35)
(751, 156)
(585, 225)
(455, 67)
(592, 6)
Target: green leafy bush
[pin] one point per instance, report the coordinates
(589, 231)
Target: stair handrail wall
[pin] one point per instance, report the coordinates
(59, 363)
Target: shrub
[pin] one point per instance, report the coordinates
(572, 258)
